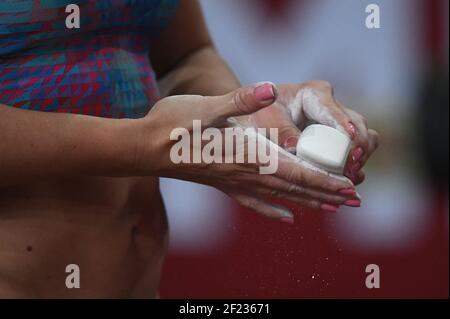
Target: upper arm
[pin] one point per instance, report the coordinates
(186, 33)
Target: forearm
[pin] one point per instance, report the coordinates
(38, 144)
(203, 72)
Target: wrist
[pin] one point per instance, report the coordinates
(148, 147)
(114, 145)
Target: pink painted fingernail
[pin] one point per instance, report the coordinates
(351, 130)
(357, 154)
(264, 92)
(329, 208)
(291, 141)
(347, 191)
(353, 203)
(287, 220)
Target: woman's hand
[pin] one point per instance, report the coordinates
(294, 180)
(314, 101)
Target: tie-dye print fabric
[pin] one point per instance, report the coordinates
(101, 69)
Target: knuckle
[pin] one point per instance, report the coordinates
(360, 118)
(275, 193)
(332, 185)
(238, 102)
(286, 131)
(252, 203)
(241, 100)
(337, 111)
(243, 201)
(296, 189)
(295, 176)
(334, 199)
(315, 204)
(375, 139)
(321, 85)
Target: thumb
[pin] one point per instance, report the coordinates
(245, 100)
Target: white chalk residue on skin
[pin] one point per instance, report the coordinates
(274, 147)
(309, 166)
(295, 107)
(308, 102)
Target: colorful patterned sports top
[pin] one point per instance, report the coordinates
(100, 69)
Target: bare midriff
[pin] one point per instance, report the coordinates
(114, 229)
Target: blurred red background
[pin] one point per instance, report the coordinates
(271, 260)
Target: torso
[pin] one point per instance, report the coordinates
(114, 229)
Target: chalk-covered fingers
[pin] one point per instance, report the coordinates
(365, 143)
(261, 206)
(276, 187)
(299, 172)
(319, 105)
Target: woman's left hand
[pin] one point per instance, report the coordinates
(314, 101)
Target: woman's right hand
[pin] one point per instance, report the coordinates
(293, 180)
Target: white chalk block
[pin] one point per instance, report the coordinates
(324, 147)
